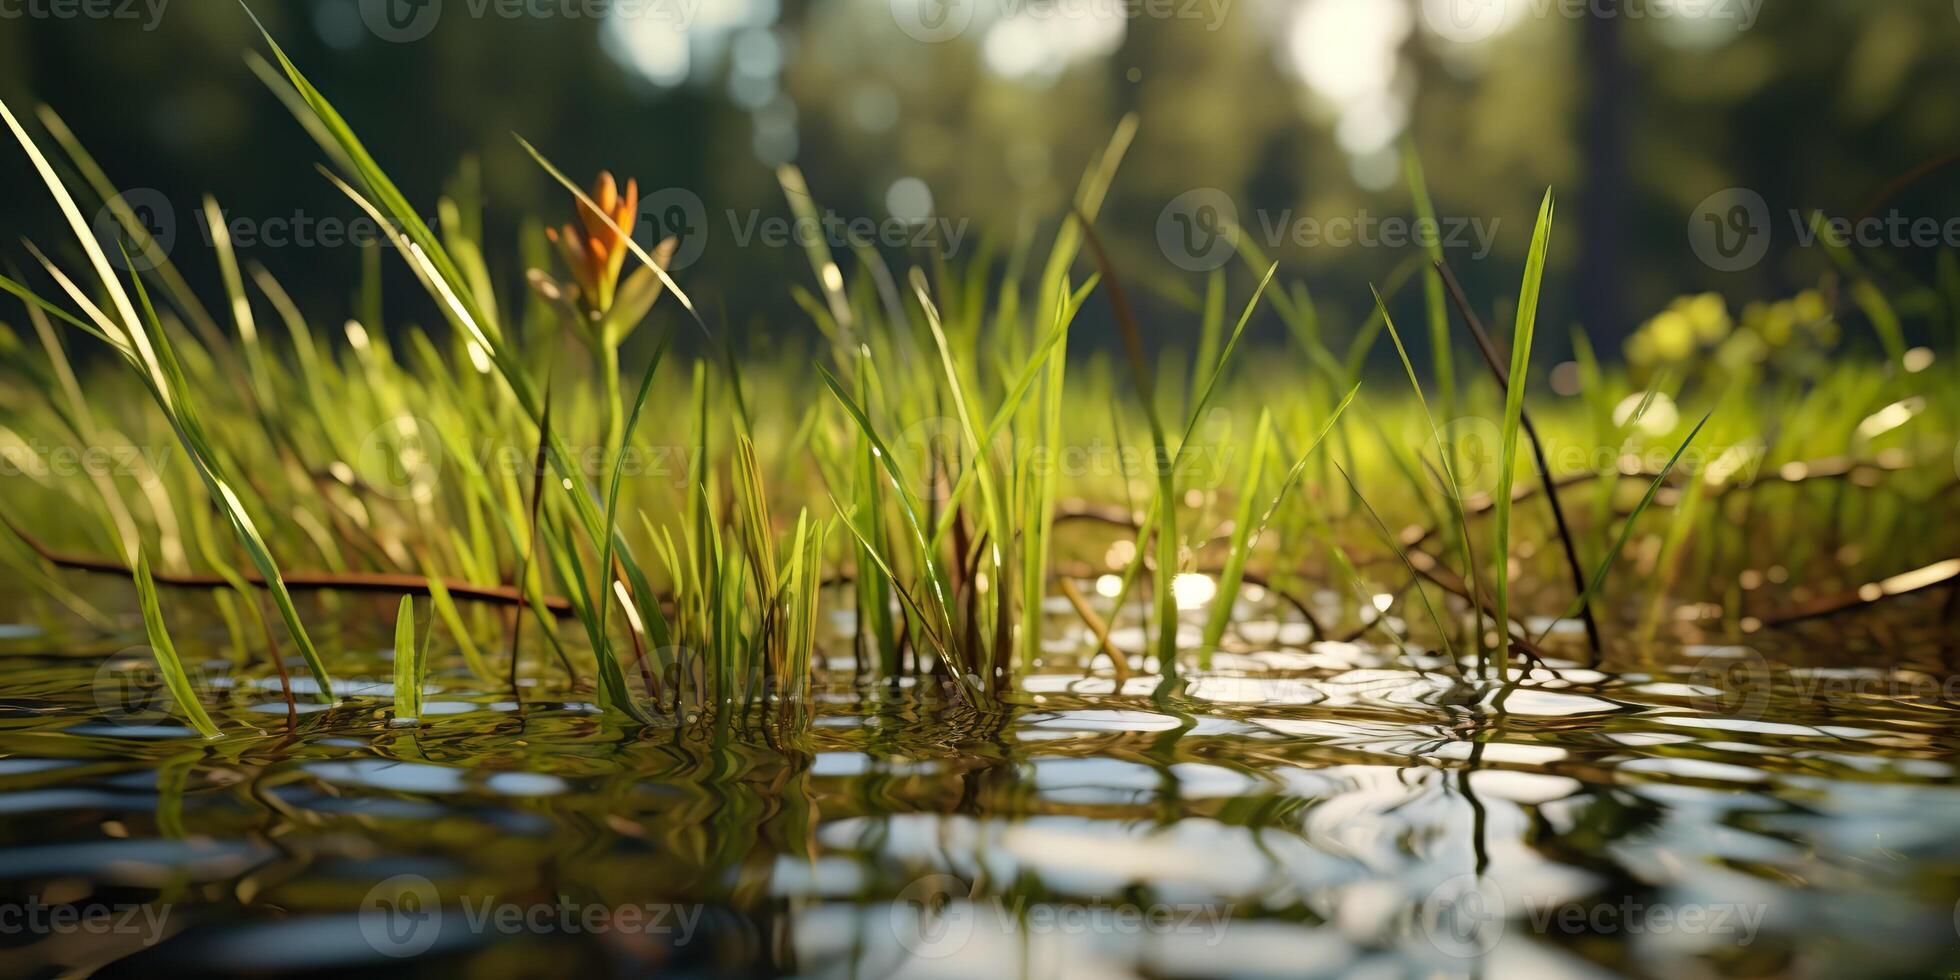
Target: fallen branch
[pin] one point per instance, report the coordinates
(1433, 571)
(1871, 593)
(1789, 474)
(1097, 627)
(390, 583)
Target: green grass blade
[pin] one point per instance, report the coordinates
(189, 432)
(1166, 515)
(1240, 549)
(445, 609)
(612, 491)
(1415, 577)
(941, 592)
(1626, 531)
(1443, 360)
(1507, 470)
(168, 663)
(386, 194)
(409, 665)
(1459, 518)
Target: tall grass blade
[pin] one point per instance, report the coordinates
(1165, 604)
(1415, 577)
(411, 665)
(940, 592)
(1441, 356)
(1507, 468)
(618, 471)
(1444, 450)
(168, 662)
(1242, 543)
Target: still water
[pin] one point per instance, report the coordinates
(1302, 808)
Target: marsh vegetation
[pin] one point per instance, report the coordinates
(935, 594)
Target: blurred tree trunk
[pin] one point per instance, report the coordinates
(1603, 141)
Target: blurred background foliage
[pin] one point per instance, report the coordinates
(1291, 107)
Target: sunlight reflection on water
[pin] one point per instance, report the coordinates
(1314, 810)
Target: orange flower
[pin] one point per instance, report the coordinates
(597, 253)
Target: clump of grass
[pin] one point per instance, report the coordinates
(142, 342)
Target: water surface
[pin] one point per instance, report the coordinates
(1303, 808)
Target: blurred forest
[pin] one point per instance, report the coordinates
(1636, 111)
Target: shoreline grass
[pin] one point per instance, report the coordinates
(920, 474)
